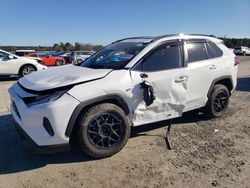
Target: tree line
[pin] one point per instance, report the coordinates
(66, 47)
(58, 47)
(233, 42)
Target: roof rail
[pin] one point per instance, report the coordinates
(163, 36)
(202, 35)
(143, 37)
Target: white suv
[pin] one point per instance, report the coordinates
(11, 64)
(130, 82)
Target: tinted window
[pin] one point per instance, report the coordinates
(43, 55)
(209, 53)
(20, 53)
(4, 56)
(216, 51)
(165, 57)
(196, 51)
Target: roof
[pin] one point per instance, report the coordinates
(148, 39)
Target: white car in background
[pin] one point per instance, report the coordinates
(24, 52)
(242, 50)
(79, 56)
(11, 64)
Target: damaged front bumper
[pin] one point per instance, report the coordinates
(27, 142)
(42, 127)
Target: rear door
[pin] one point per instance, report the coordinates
(167, 75)
(203, 68)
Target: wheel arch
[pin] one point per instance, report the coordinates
(225, 80)
(83, 106)
(27, 64)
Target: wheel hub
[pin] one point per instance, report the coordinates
(105, 130)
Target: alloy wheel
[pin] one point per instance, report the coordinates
(220, 102)
(105, 130)
(27, 70)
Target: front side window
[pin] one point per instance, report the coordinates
(165, 57)
(196, 51)
(114, 56)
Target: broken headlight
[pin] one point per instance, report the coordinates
(44, 98)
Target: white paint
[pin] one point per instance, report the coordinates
(176, 91)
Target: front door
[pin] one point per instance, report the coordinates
(168, 76)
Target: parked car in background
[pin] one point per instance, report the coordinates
(67, 57)
(79, 56)
(242, 50)
(131, 82)
(47, 59)
(11, 64)
(24, 52)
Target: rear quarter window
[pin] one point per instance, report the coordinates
(216, 51)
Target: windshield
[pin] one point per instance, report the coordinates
(114, 56)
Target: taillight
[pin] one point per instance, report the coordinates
(236, 60)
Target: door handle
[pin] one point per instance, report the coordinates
(181, 79)
(212, 67)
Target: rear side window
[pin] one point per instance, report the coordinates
(216, 51)
(165, 57)
(196, 51)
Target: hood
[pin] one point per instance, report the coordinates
(62, 76)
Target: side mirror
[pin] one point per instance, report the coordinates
(11, 57)
(48, 56)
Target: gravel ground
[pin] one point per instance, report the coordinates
(206, 153)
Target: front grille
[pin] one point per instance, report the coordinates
(15, 109)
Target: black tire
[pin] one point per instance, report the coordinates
(217, 102)
(97, 137)
(244, 54)
(27, 69)
(58, 62)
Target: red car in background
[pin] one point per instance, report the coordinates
(47, 59)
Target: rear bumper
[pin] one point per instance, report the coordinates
(27, 142)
